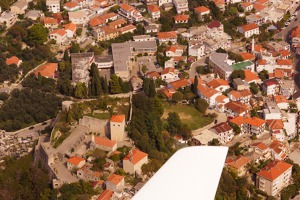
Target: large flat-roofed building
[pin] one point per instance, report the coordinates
(53, 5)
(104, 62)
(8, 18)
(124, 52)
(81, 63)
(221, 64)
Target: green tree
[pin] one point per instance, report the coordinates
(178, 96)
(79, 31)
(146, 86)
(263, 75)
(214, 142)
(201, 105)
(75, 48)
(152, 91)
(80, 90)
(236, 129)
(195, 85)
(95, 82)
(37, 35)
(104, 85)
(114, 85)
(237, 74)
(254, 88)
(66, 56)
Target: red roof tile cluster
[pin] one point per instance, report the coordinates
(153, 8)
(280, 99)
(181, 18)
(262, 146)
(70, 26)
(47, 70)
(247, 56)
(250, 76)
(295, 32)
(221, 127)
(75, 160)
(180, 83)
(284, 62)
(71, 4)
(237, 162)
(167, 35)
(115, 179)
(168, 70)
(96, 21)
(236, 107)
(117, 118)
(214, 24)
(106, 195)
(104, 141)
(12, 60)
(249, 27)
(274, 169)
(275, 124)
(153, 74)
(135, 156)
(215, 83)
(201, 9)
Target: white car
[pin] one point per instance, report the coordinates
(287, 23)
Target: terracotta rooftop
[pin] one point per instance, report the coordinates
(249, 27)
(180, 83)
(153, 74)
(236, 107)
(174, 48)
(201, 9)
(70, 26)
(75, 160)
(237, 162)
(258, 7)
(270, 82)
(168, 70)
(261, 62)
(222, 127)
(274, 169)
(12, 60)
(275, 124)
(47, 70)
(277, 146)
(257, 122)
(221, 98)
(179, 18)
(115, 179)
(237, 120)
(153, 8)
(71, 4)
(166, 35)
(235, 94)
(247, 55)
(104, 141)
(106, 195)
(48, 20)
(135, 156)
(262, 146)
(284, 62)
(60, 32)
(96, 21)
(117, 118)
(214, 24)
(280, 99)
(217, 83)
(250, 76)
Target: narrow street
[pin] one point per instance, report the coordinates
(192, 71)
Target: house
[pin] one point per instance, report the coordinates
(51, 23)
(247, 6)
(169, 74)
(136, 83)
(271, 87)
(181, 6)
(130, 13)
(19, 7)
(260, 152)
(250, 77)
(81, 16)
(196, 49)
(153, 75)
(281, 101)
(53, 6)
(239, 121)
(106, 195)
(208, 94)
(168, 92)
(220, 101)
(235, 108)
(48, 70)
(14, 60)
(174, 50)
(109, 17)
(151, 29)
(181, 19)
(143, 38)
(134, 161)
(224, 131)
(271, 111)
(219, 84)
(274, 177)
(115, 182)
(72, 6)
(238, 164)
(117, 23)
(100, 3)
(248, 30)
(201, 11)
(165, 37)
(34, 14)
(247, 56)
(240, 84)
(81, 63)
(87, 174)
(154, 11)
(105, 33)
(70, 29)
(242, 96)
(221, 64)
(220, 4)
(117, 128)
(59, 35)
(259, 7)
(278, 150)
(276, 128)
(8, 18)
(287, 88)
(257, 18)
(103, 143)
(96, 21)
(255, 126)
(75, 163)
(162, 2)
(215, 29)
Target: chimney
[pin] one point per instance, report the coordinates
(252, 47)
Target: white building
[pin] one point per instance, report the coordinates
(248, 30)
(53, 5)
(181, 6)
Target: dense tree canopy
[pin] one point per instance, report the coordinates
(26, 107)
(37, 35)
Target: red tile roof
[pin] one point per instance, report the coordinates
(96, 21)
(217, 82)
(166, 35)
(201, 9)
(221, 98)
(222, 127)
(70, 26)
(173, 48)
(117, 118)
(153, 74)
(236, 107)
(106, 195)
(12, 60)
(247, 56)
(71, 4)
(237, 120)
(249, 27)
(238, 162)
(135, 156)
(284, 62)
(60, 32)
(47, 70)
(258, 7)
(275, 124)
(179, 18)
(285, 53)
(250, 76)
(115, 179)
(262, 146)
(75, 160)
(48, 20)
(214, 24)
(179, 83)
(274, 169)
(104, 141)
(153, 8)
(257, 122)
(280, 99)
(168, 70)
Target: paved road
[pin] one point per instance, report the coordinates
(192, 71)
